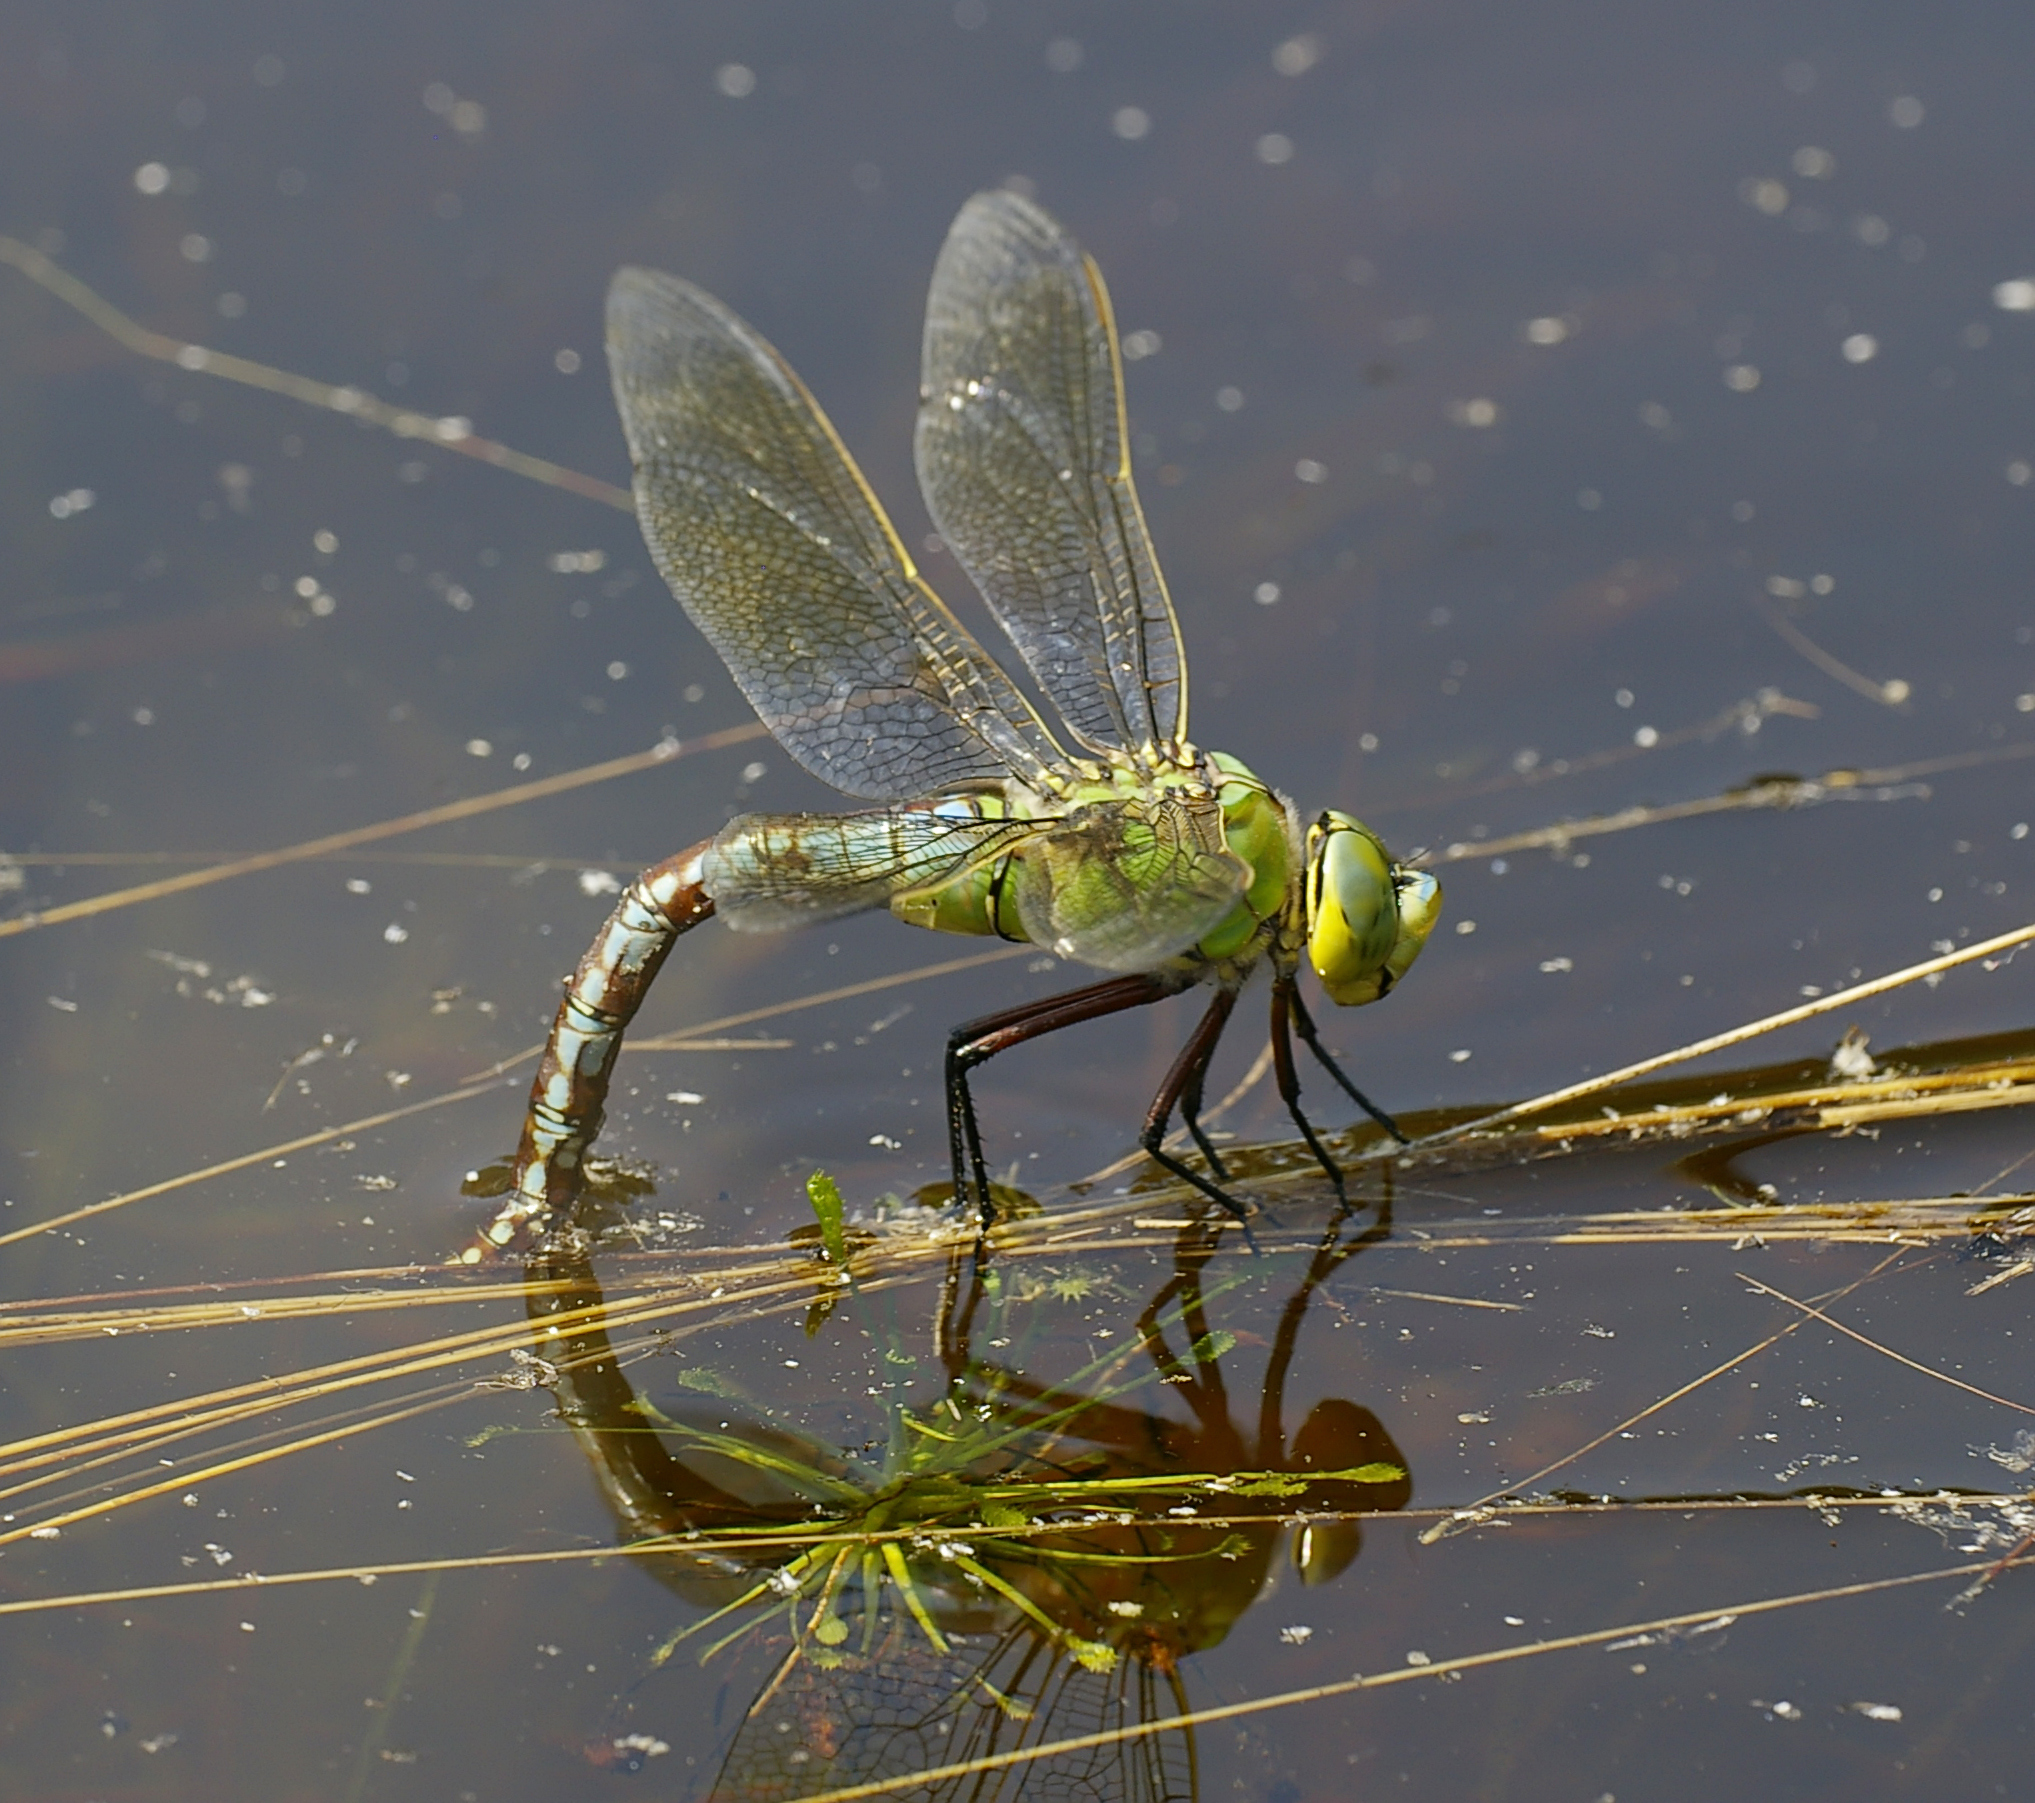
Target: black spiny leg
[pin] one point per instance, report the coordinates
(1183, 1087)
(1303, 1024)
(1190, 1096)
(980, 1040)
(1285, 998)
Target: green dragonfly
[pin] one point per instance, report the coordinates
(1111, 841)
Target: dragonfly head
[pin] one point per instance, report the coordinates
(1367, 917)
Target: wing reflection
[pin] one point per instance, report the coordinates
(1026, 1563)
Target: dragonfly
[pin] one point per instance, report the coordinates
(1106, 839)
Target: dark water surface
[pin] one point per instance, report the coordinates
(1541, 411)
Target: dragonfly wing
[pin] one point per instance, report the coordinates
(771, 871)
(1126, 885)
(766, 531)
(1025, 463)
(886, 1705)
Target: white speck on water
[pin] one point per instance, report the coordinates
(1548, 329)
(395, 933)
(1764, 193)
(2016, 296)
(1274, 148)
(1297, 55)
(1266, 593)
(1130, 123)
(1860, 347)
(1906, 111)
(736, 80)
(152, 178)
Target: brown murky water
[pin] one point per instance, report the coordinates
(1540, 414)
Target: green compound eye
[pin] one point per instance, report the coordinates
(1367, 917)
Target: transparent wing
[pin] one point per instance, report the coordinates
(1125, 885)
(771, 871)
(1025, 464)
(898, 1707)
(765, 530)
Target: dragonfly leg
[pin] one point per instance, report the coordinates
(571, 1088)
(1284, 997)
(1303, 1024)
(1190, 1094)
(1183, 1086)
(977, 1041)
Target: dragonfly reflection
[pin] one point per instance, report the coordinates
(1111, 840)
(1027, 1562)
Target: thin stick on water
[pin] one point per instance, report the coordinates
(1896, 783)
(926, 1779)
(247, 1160)
(1717, 1042)
(1900, 1358)
(1743, 716)
(451, 434)
(663, 752)
(1469, 1513)
(1893, 693)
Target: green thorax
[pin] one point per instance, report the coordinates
(1134, 871)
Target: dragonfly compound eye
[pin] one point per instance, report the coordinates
(1367, 917)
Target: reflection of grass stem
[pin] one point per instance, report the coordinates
(376, 1738)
